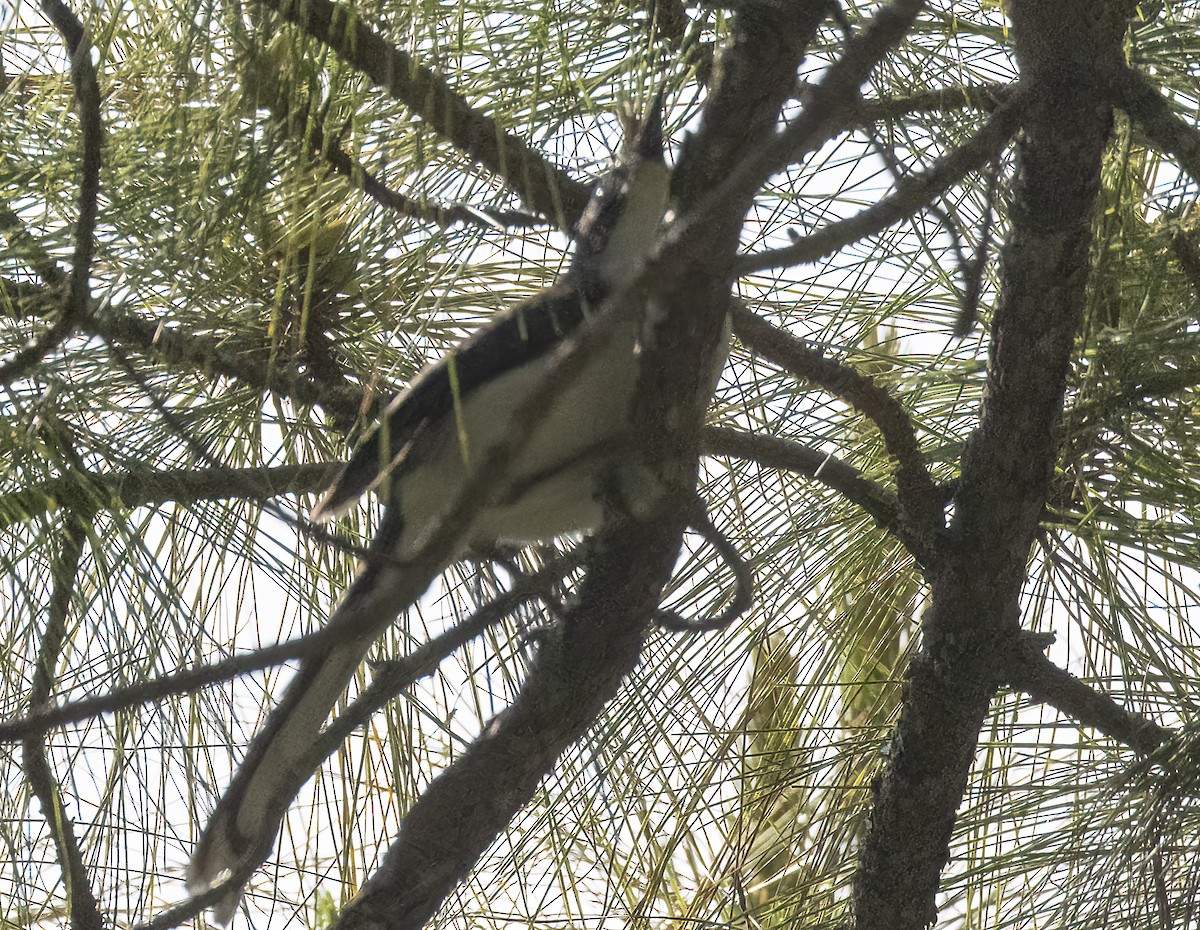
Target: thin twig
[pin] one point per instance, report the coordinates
(742, 598)
(987, 97)
(786, 454)
(828, 110)
(368, 183)
(165, 686)
(87, 95)
(395, 676)
(912, 194)
(91, 492)
(545, 187)
(176, 345)
(84, 909)
(937, 206)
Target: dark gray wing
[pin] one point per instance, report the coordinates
(515, 338)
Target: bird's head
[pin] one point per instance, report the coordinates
(621, 221)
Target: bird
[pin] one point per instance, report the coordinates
(421, 455)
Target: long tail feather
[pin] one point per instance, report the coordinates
(247, 818)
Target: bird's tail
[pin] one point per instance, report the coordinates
(241, 831)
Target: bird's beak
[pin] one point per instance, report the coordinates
(650, 139)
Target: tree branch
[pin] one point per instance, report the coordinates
(1134, 93)
(78, 297)
(83, 907)
(90, 492)
(787, 455)
(546, 188)
(1030, 671)
(580, 666)
(913, 193)
(186, 681)
(314, 138)
(829, 109)
(177, 347)
(1007, 467)
(920, 499)
(987, 97)
(578, 669)
(24, 245)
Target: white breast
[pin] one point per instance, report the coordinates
(552, 486)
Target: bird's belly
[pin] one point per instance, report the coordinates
(565, 502)
(551, 486)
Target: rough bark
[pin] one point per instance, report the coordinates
(1066, 52)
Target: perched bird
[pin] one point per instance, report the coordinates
(422, 454)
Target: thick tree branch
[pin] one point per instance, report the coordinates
(1067, 51)
(83, 907)
(544, 187)
(920, 499)
(1147, 107)
(78, 296)
(913, 193)
(1030, 671)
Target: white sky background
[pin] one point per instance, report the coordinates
(265, 596)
